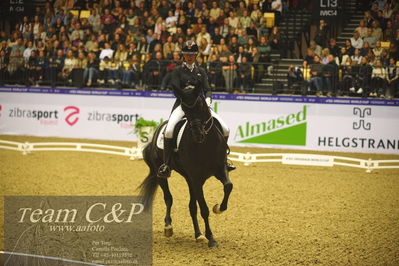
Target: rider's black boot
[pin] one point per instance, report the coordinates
(164, 169)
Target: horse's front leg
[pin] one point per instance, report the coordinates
(199, 193)
(199, 237)
(163, 183)
(227, 188)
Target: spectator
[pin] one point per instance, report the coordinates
(356, 41)
(316, 78)
(309, 56)
(368, 19)
(244, 75)
(69, 64)
(362, 29)
(106, 52)
(333, 47)
(330, 75)
(277, 8)
(215, 10)
(377, 31)
(317, 49)
(379, 79)
(275, 38)
(393, 78)
(389, 33)
(324, 56)
(229, 73)
(348, 75)
(91, 71)
(321, 33)
(377, 50)
(362, 79)
(214, 71)
(357, 57)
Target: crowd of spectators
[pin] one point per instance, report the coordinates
(366, 65)
(136, 43)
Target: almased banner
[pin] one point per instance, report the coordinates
(309, 123)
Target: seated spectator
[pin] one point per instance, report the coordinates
(264, 49)
(389, 32)
(357, 57)
(330, 75)
(349, 48)
(69, 63)
(309, 56)
(205, 48)
(295, 78)
(379, 79)
(244, 75)
(370, 38)
(316, 48)
(105, 65)
(30, 68)
(348, 75)
(91, 71)
(368, 18)
(333, 47)
(393, 79)
(229, 70)
(356, 41)
(342, 57)
(252, 31)
(377, 31)
(40, 66)
(365, 49)
(378, 50)
(113, 75)
(316, 78)
(362, 29)
(324, 56)
(214, 71)
(275, 38)
(106, 52)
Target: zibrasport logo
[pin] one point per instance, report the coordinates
(72, 115)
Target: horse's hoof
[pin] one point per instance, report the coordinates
(213, 243)
(168, 231)
(216, 209)
(200, 239)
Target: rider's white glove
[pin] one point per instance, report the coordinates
(208, 101)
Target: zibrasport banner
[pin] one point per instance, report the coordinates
(348, 125)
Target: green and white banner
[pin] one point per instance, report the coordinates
(258, 121)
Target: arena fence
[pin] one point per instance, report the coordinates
(246, 158)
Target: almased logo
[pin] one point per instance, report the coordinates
(287, 130)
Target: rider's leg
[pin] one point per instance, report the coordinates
(175, 117)
(226, 133)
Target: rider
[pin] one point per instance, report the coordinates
(185, 75)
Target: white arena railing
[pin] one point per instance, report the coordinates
(246, 158)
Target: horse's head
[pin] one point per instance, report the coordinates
(197, 113)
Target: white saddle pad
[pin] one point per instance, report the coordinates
(179, 136)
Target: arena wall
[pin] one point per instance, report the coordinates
(308, 123)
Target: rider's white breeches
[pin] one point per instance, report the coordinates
(178, 114)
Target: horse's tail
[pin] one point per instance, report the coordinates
(147, 190)
(150, 184)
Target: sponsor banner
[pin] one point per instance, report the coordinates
(329, 124)
(77, 230)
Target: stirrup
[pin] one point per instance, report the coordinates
(164, 171)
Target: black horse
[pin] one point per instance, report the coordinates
(201, 154)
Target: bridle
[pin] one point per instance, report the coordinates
(208, 121)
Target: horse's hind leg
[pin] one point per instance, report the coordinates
(193, 212)
(199, 193)
(167, 196)
(227, 188)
